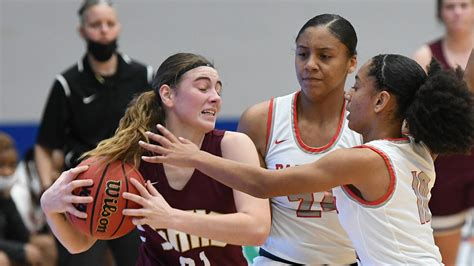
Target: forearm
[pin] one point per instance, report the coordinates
(235, 228)
(73, 240)
(264, 183)
(250, 179)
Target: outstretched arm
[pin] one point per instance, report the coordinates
(335, 169)
(57, 200)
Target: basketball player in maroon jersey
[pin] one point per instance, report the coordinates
(453, 193)
(187, 218)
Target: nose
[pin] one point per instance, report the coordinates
(311, 64)
(104, 28)
(348, 95)
(457, 9)
(214, 97)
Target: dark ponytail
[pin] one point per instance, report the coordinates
(442, 112)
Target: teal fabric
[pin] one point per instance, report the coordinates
(250, 252)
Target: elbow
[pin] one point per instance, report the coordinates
(261, 235)
(259, 230)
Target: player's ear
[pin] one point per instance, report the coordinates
(166, 95)
(352, 64)
(80, 30)
(381, 101)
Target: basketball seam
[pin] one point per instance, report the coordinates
(126, 201)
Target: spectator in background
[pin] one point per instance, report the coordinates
(26, 193)
(17, 246)
(84, 107)
(454, 174)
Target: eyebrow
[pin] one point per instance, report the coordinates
(318, 48)
(208, 79)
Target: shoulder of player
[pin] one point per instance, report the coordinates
(253, 122)
(239, 147)
(255, 113)
(235, 138)
(423, 56)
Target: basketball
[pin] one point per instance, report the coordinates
(104, 215)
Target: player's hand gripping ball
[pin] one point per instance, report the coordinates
(104, 215)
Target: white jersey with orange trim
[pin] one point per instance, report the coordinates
(305, 227)
(395, 229)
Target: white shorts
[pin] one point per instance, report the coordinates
(444, 225)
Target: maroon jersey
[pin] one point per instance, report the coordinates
(437, 52)
(453, 191)
(201, 194)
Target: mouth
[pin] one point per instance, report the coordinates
(311, 79)
(211, 112)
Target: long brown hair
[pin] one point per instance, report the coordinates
(145, 111)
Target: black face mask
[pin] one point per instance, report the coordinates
(101, 52)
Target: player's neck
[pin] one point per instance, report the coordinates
(383, 131)
(184, 130)
(107, 68)
(327, 109)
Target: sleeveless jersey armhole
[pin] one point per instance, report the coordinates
(271, 107)
(391, 187)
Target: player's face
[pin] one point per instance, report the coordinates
(100, 24)
(458, 15)
(361, 99)
(8, 162)
(197, 98)
(322, 62)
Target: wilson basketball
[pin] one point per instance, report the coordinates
(104, 215)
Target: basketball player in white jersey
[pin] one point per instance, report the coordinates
(382, 188)
(305, 228)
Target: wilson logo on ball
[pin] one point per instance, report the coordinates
(109, 206)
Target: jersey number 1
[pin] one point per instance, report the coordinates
(420, 185)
